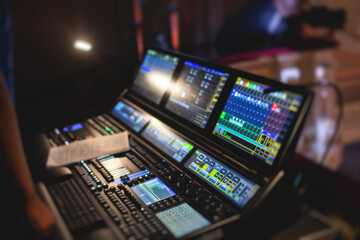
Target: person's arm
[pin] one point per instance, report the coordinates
(14, 165)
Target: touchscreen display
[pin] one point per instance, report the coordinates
(182, 220)
(167, 141)
(152, 191)
(130, 116)
(196, 93)
(154, 75)
(255, 121)
(230, 183)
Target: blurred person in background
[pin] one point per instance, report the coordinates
(264, 24)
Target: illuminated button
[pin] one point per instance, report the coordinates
(223, 187)
(212, 179)
(262, 152)
(203, 172)
(230, 175)
(223, 171)
(236, 179)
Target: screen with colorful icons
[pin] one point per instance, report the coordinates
(255, 121)
(230, 183)
(173, 145)
(196, 93)
(154, 75)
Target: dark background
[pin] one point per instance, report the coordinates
(54, 82)
(57, 85)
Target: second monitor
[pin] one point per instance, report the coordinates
(196, 93)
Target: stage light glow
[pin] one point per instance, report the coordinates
(83, 46)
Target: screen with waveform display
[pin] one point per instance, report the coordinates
(255, 121)
(170, 143)
(154, 75)
(152, 191)
(196, 93)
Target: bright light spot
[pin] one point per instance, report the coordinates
(160, 82)
(290, 74)
(320, 72)
(83, 46)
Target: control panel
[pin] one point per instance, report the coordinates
(146, 196)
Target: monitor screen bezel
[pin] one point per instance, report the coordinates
(238, 155)
(294, 127)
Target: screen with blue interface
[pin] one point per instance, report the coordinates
(152, 191)
(196, 92)
(130, 116)
(255, 121)
(170, 143)
(154, 75)
(228, 182)
(182, 220)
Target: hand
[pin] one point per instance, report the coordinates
(41, 219)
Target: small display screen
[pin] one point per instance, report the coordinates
(72, 128)
(196, 93)
(130, 116)
(154, 75)
(255, 121)
(167, 141)
(152, 191)
(118, 166)
(231, 184)
(182, 220)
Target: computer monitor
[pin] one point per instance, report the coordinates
(154, 76)
(255, 121)
(196, 92)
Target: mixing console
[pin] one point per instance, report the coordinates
(207, 144)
